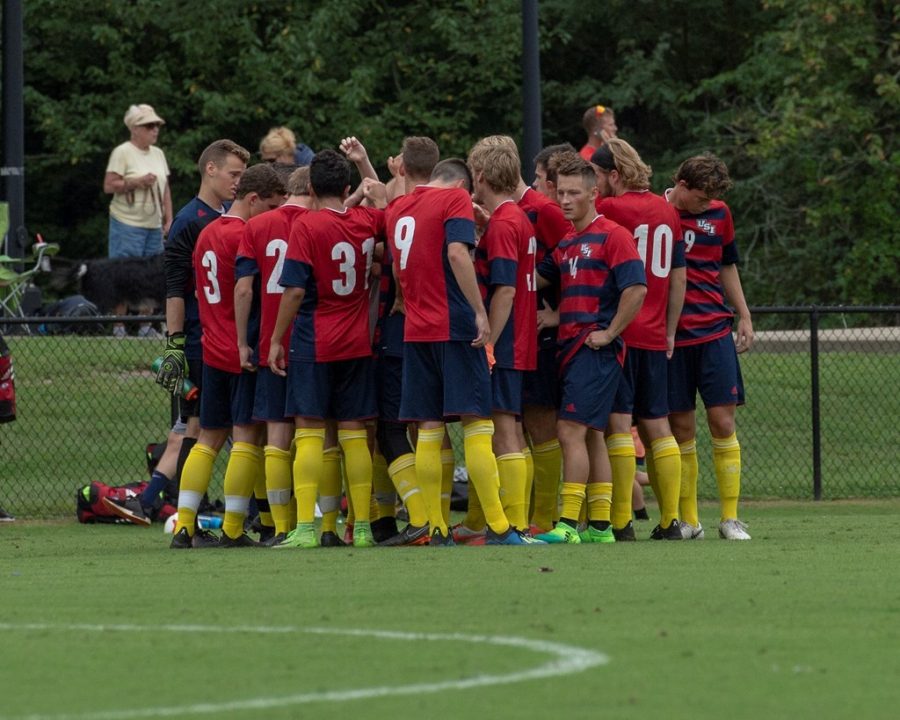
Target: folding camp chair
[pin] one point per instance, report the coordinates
(14, 285)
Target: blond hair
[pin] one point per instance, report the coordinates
(298, 182)
(278, 140)
(497, 159)
(635, 173)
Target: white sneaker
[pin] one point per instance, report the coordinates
(733, 529)
(691, 532)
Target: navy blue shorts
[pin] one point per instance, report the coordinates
(541, 386)
(506, 385)
(589, 384)
(342, 390)
(227, 399)
(389, 384)
(643, 389)
(271, 390)
(443, 379)
(710, 367)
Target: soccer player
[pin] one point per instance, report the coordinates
(623, 182)
(220, 164)
(705, 356)
(445, 370)
(504, 263)
(226, 403)
(545, 169)
(599, 122)
(330, 374)
(602, 286)
(261, 255)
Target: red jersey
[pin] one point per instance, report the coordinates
(505, 256)
(592, 267)
(708, 244)
(262, 253)
(214, 257)
(587, 152)
(657, 232)
(330, 255)
(420, 226)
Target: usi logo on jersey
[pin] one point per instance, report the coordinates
(707, 227)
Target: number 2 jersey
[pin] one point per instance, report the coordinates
(708, 245)
(262, 253)
(330, 255)
(656, 228)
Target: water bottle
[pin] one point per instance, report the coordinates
(189, 391)
(45, 259)
(209, 522)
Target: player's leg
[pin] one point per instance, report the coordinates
(245, 467)
(506, 387)
(540, 395)
(448, 467)
(683, 383)
(576, 471)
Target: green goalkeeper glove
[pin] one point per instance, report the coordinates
(174, 365)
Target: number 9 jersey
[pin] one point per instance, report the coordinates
(330, 255)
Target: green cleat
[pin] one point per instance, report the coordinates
(561, 534)
(362, 535)
(303, 536)
(593, 535)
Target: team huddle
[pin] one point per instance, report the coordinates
(334, 332)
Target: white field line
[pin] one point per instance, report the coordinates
(564, 660)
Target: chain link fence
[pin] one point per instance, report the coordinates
(820, 420)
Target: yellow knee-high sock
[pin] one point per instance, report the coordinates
(448, 465)
(654, 480)
(330, 489)
(482, 467)
(667, 463)
(240, 481)
(195, 478)
(403, 475)
(727, 462)
(383, 489)
(599, 501)
(620, 447)
(308, 468)
(529, 482)
(429, 474)
(358, 464)
(690, 471)
(547, 467)
(474, 519)
(278, 486)
(572, 496)
(511, 469)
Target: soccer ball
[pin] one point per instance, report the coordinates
(169, 527)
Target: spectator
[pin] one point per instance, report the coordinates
(599, 123)
(280, 146)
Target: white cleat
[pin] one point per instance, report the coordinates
(692, 532)
(733, 529)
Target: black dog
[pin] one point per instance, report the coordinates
(109, 282)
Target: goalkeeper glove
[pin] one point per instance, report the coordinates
(174, 365)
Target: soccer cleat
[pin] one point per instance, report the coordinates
(303, 536)
(671, 532)
(625, 534)
(129, 508)
(592, 535)
(384, 529)
(528, 538)
(534, 530)
(6, 516)
(438, 539)
(348, 534)
(181, 540)
(204, 539)
(330, 539)
(641, 514)
(362, 535)
(733, 529)
(410, 535)
(510, 537)
(465, 536)
(562, 533)
(274, 540)
(241, 541)
(691, 532)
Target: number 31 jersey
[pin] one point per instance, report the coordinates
(656, 228)
(330, 255)
(262, 253)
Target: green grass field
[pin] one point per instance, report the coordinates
(803, 621)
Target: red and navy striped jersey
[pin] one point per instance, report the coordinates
(330, 255)
(592, 267)
(505, 256)
(262, 254)
(214, 258)
(656, 228)
(420, 227)
(708, 244)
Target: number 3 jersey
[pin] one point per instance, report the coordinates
(262, 253)
(330, 255)
(214, 258)
(657, 233)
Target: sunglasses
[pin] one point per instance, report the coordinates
(152, 126)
